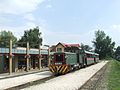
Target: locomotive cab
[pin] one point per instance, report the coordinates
(59, 58)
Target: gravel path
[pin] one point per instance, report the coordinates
(71, 81)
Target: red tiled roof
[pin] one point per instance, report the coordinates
(70, 45)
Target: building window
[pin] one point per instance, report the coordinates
(59, 49)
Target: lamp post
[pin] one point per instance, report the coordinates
(48, 54)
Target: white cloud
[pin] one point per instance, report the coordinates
(19, 31)
(19, 6)
(49, 6)
(4, 20)
(66, 37)
(30, 24)
(114, 32)
(116, 27)
(21, 9)
(29, 17)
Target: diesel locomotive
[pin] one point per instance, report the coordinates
(64, 62)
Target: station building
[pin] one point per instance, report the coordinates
(19, 62)
(63, 47)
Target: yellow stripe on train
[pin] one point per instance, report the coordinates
(59, 69)
(65, 69)
(51, 69)
(62, 69)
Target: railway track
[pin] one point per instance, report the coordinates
(94, 82)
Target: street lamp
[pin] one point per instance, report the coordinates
(48, 54)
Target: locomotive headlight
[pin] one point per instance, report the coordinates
(66, 57)
(58, 63)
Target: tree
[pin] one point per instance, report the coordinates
(5, 37)
(103, 45)
(33, 36)
(109, 46)
(86, 47)
(117, 53)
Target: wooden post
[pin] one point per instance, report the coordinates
(10, 57)
(48, 56)
(27, 52)
(39, 57)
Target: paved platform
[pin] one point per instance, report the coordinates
(16, 74)
(16, 79)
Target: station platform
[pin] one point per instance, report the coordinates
(16, 74)
(15, 79)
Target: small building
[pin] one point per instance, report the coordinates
(62, 47)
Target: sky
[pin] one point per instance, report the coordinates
(67, 21)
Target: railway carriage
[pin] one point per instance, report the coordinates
(89, 58)
(96, 57)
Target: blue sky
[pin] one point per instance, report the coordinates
(68, 21)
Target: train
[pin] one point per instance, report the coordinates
(64, 62)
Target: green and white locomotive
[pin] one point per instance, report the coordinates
(63, 62)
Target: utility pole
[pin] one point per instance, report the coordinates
(10, 57)
(39, 56)
(27, 56)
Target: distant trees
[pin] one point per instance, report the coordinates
(33, 36)
(103, 45)
(5, 36)
(117, 53)
(86, 47)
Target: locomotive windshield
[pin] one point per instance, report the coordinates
(59, 57)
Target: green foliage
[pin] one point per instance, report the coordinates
(33, 36)
(86, 47)
(103, 45)
(5, 37)
(117, 53)
(113, 77)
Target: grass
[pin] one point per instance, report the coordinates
(113, 75)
